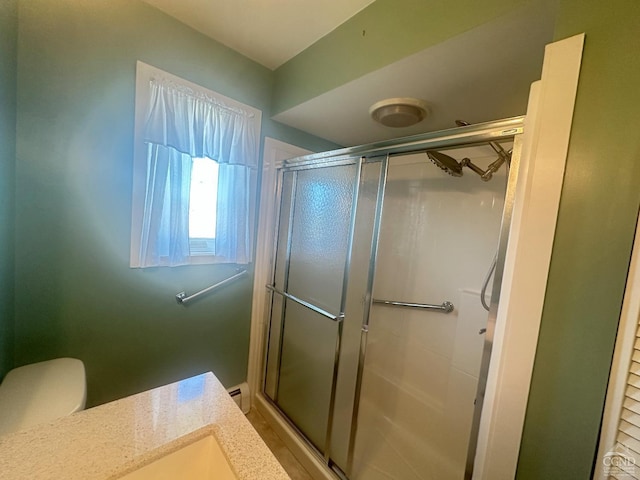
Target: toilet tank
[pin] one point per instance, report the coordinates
(41, 392)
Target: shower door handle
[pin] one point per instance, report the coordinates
(445, 307)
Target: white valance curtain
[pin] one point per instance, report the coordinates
(183, 124)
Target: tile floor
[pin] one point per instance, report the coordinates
(295, 470)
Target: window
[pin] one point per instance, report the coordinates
(203, 202)
(195, 169)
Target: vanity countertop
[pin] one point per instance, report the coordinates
(113, 439)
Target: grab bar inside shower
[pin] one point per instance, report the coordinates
(183, 299)
(445, 307)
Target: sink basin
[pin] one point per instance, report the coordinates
(200, 460)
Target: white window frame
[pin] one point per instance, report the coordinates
(144, 74)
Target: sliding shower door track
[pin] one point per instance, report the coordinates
(475, 134)
(301, 436)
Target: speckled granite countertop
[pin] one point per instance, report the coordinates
(114, 439)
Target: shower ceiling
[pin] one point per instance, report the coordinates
(481, 75)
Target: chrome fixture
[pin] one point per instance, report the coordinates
(454, 168)
(336, 318)
(399, 112)
(445, 162)
(183, 299)
(446, 307)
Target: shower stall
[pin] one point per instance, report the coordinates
(378, 344)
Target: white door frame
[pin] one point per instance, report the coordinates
(543, 157)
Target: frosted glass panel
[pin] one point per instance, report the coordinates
(306, 371)
(321, 222)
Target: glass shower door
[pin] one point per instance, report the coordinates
(437, 238)
(379, 390)
(314, 236)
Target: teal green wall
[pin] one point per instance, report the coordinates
(384, 32)
(75, 293)
(8, 59)
(596, 224)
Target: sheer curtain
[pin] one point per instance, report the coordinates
(183, 124)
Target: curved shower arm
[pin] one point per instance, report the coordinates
(466, 162)
(503, 156)
(486, 175)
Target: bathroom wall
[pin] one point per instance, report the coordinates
(75, 293)
(76, 296)
(596, 225)
(8, 57)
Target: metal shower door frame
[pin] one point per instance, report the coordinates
(338, 318)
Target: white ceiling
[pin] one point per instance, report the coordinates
(481, 75)
(267, 31)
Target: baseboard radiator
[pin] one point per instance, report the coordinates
(240, 394)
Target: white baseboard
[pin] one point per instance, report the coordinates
(241, 395)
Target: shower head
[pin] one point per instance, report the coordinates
(445, 162)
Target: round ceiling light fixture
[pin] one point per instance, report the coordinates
(399, 112)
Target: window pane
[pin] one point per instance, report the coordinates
(203, 199)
